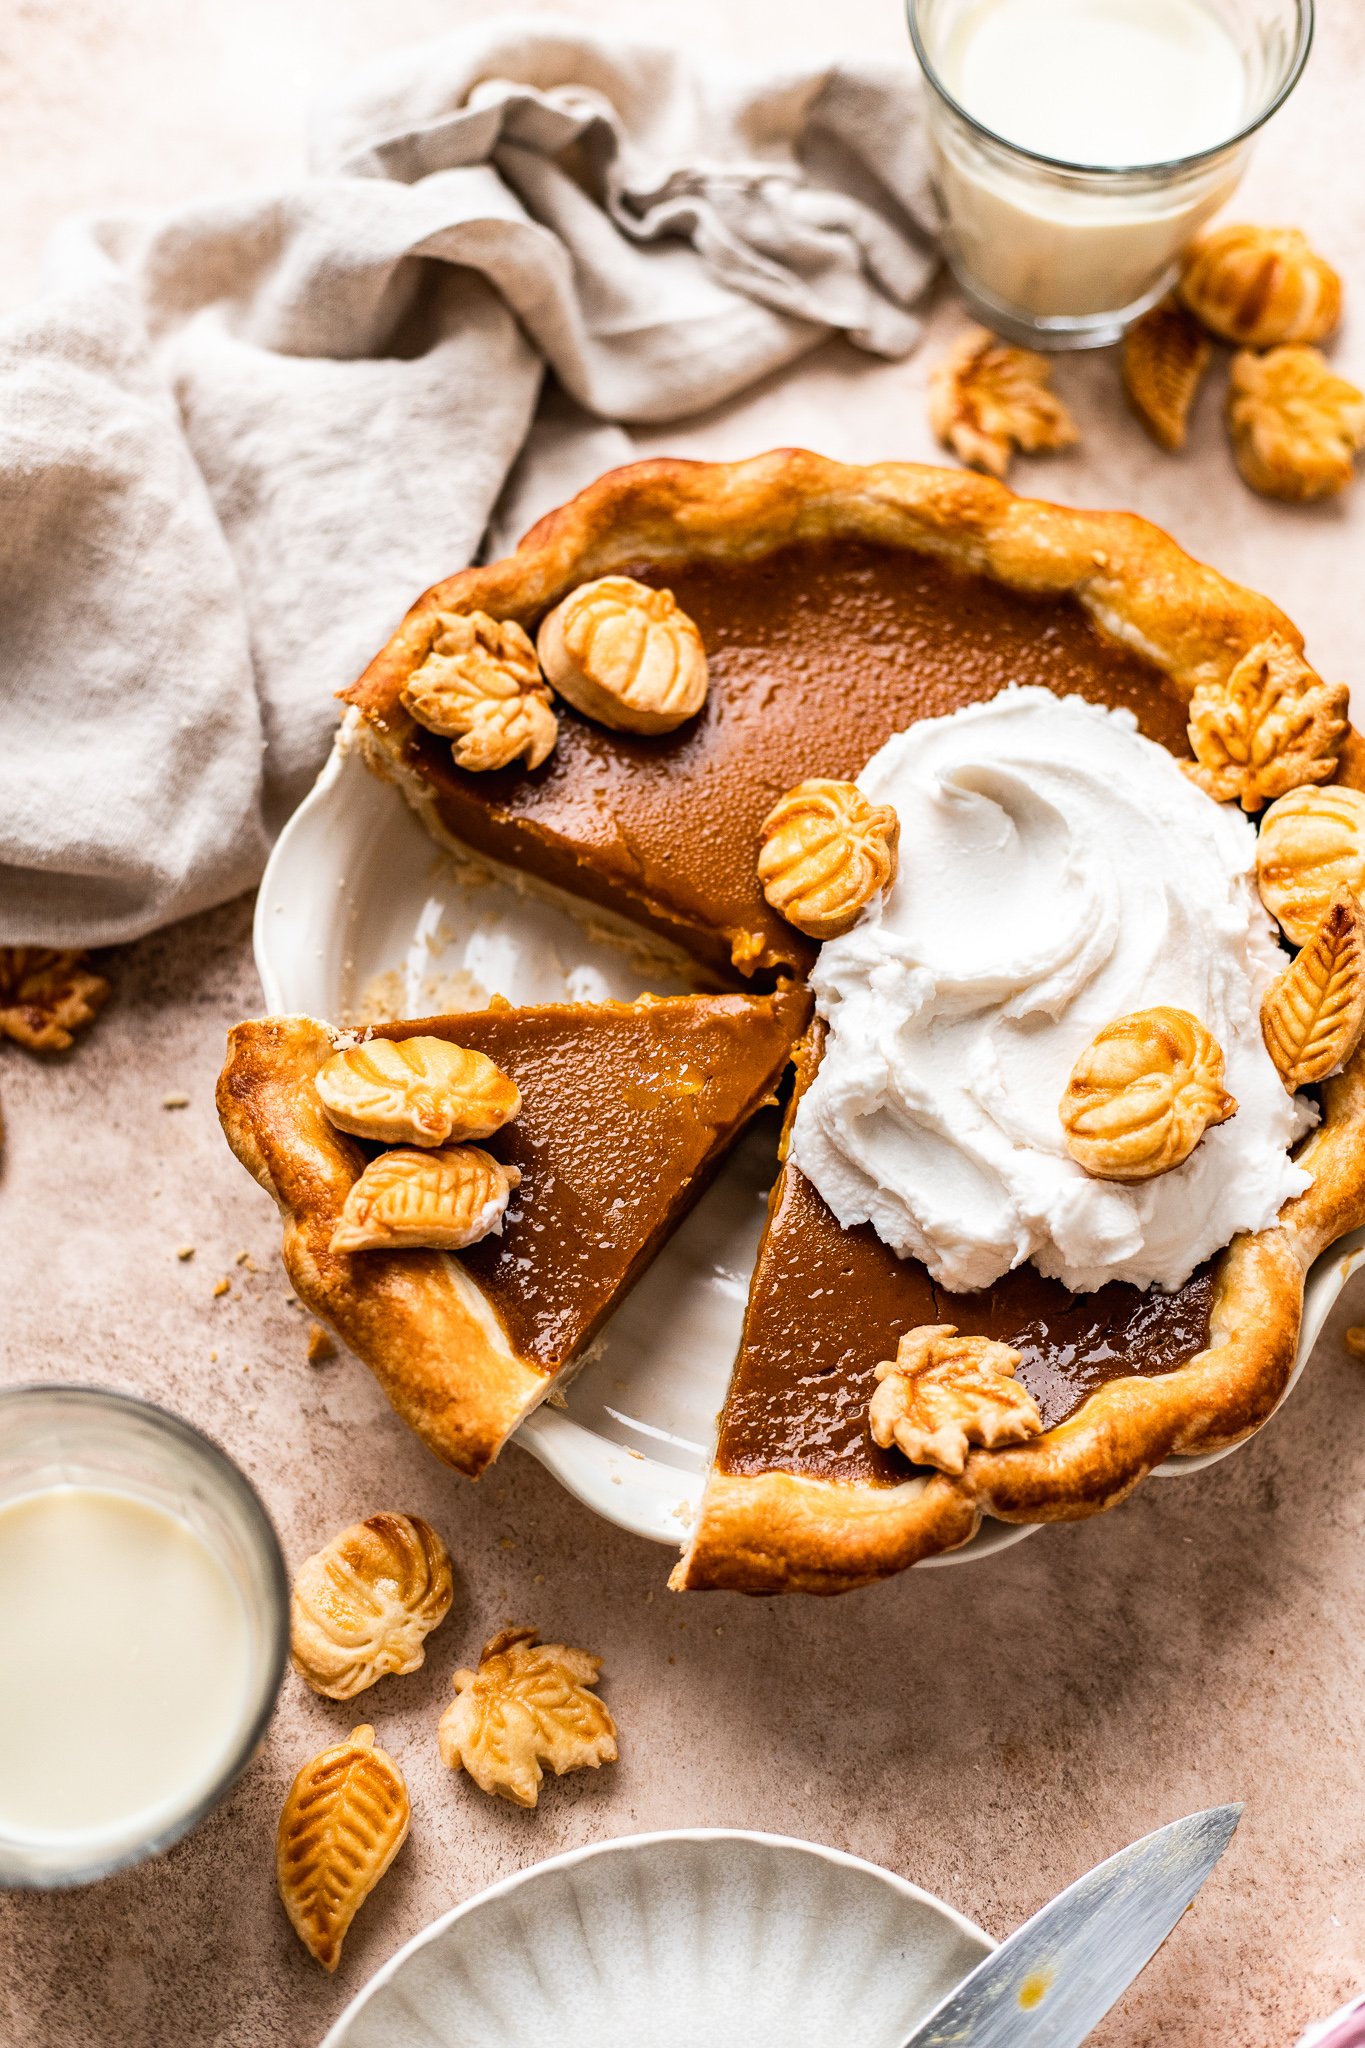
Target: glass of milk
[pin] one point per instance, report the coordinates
(144, 1626)
(1080, 144)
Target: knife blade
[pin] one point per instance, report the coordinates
(1054, 1979)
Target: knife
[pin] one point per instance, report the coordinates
(1056, 1977)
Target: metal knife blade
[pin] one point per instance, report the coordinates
(1054, 1979)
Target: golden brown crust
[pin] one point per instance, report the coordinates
(414, 1317)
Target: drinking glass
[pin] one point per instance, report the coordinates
(1065, 255)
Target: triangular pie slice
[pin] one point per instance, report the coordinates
(627, 1110)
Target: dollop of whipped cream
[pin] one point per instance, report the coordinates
(1057, 870)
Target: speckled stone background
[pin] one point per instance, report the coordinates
(989, 1731)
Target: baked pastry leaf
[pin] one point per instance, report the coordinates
(479, 684)
(1142, 1095)
(444, 1200)
(988, 398)
(47, 995)
(1271, 725)
(1296, 426)
(416, 1091)
(1165, 356)
(529, 1704)
(1257, 287)
(1313, 1014)
(364, 1604)
(825, 852)
(1311, 843)
(625, 654)
(344, 1820)
(943, 1393)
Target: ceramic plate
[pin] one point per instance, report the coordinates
(707, 1935)
(356, 899)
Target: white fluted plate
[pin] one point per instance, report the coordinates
(356, 891)
(703, 1938)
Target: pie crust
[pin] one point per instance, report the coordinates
(781, 1529)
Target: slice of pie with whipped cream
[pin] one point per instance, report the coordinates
(1060, 871)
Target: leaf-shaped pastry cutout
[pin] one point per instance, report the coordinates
(987, 398)
(1271, 725)
(626, 655)
(825, 852)
(528, 1704)
(47, 996)
(1296, 426)
(445, 1200)
(943, 1393)
(1311, 843)
(1313, 1014)
(1257, 287)
(480, 685)
(344, 1820)
(364, 1604)
(415, 1091)
(1142, 1095)
(1165, 355)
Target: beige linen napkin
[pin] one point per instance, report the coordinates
(237, 439)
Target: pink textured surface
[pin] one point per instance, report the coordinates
(989, 1732)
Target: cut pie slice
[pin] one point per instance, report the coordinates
(626, 1111)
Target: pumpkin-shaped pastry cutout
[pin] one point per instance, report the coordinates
(1311, 843)
(825, 852)
(479, 684)
(1313, 1014)
(1258, 287)
(1270, 725)
(444, 1201)
(365, 1603)
(1142, 1095)
(943, 1393)
(344, 1820)
(415, 1091)
(529, 1704)
(626, 655)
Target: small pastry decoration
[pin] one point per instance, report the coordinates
(1296, 426)
(364, 1604)
(344, 1820)
(1142, 1095)
(47, 996)
(987, 399)
(1165, 356)
(1311, 843)
(943, 1393)
(1313, 1014)
(442, 1200)
(481, 686)
(1258, 287)
(825, 852)
(528, 1704)
(626, 655)
(1270, 726)
(415, 1091)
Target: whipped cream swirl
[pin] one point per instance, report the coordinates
(1057, 871)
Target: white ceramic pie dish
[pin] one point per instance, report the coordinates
(667, 1940)
(355, 891)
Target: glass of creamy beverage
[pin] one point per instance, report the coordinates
(144, 1613)
(1079, 145)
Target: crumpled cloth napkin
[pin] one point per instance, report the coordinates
(238, 438)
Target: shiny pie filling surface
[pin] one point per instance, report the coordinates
(818, 653)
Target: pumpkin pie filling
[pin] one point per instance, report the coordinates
(817, 652)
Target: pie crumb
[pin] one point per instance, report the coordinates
(320, 1344)
(1355, 1340)
(176, 1099)
(221, 1287)
(184, 1251)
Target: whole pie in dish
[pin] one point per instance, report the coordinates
(625, 1112)
(838, 610)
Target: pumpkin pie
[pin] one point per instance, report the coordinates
(836, 606)
(626, 1110)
